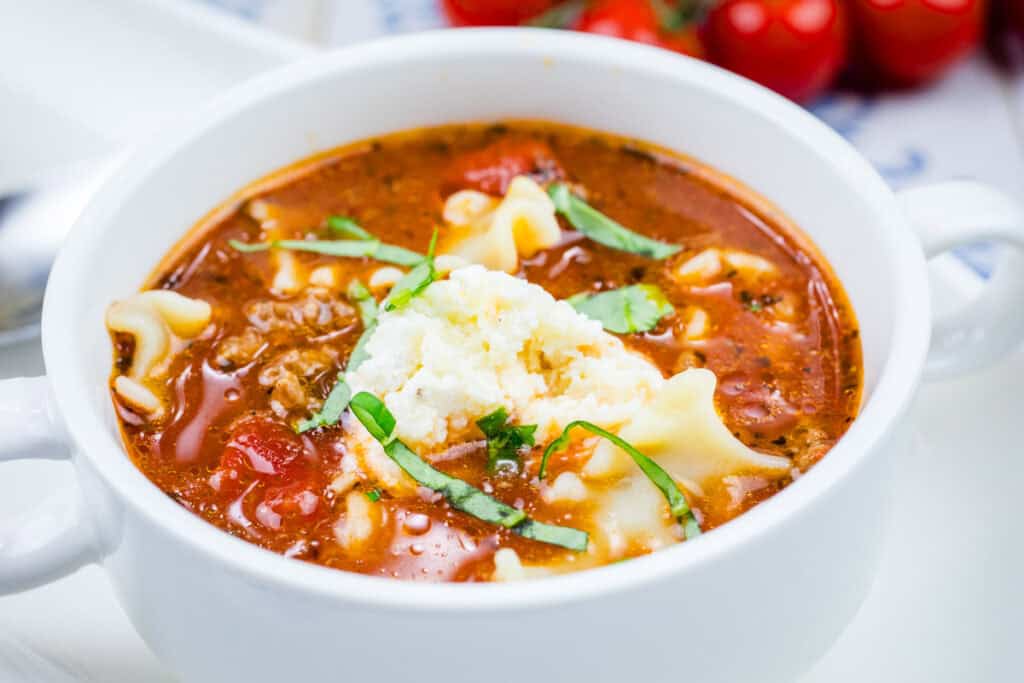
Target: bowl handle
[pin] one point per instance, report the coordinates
(950, 214)
(55, 538)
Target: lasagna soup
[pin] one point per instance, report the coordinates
(484, 353)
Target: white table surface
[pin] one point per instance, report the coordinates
(948, 602)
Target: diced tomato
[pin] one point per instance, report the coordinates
(492, 168)
(263, 447)
(226, 481)
(299, 499)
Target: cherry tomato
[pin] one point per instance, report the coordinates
(493, 12)
(906, 42)
(629, 19)
(794, 47)
(491, 169)
(638, 21)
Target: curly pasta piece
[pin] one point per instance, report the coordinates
(275, 221)
(712, 263)
(156, 319)
(682, 431)
(495, 233)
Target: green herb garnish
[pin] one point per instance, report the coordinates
(348, 227)
(400, 256)
(359, 353)
(373, 495)
(413, 282)
(504, 441)
(380, 423)
(337, 399)
(362, 248)
(563, 536)
(602, 229)
(249, 247)
(332, 409)
(658, 476)
(636, 308)
(374, 249)
(359, 295)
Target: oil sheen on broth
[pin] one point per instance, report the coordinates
(751, 300)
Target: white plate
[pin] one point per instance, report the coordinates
(945, 607)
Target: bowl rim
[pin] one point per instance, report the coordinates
(896, 382)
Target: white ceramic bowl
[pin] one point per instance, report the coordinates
(758, 599)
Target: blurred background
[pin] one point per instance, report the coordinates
(926, 89)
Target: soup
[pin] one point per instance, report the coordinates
(475, 353)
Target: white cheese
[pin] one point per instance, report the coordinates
(483, 340)
(567, 488)
(357, 527)
(508, 567)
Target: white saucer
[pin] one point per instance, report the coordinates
(945, 608)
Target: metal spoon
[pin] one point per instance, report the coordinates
(33, 224)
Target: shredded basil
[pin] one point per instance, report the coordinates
(359, 353)
(374, 415)
(368, 311)
(355, 248)
(637, 308)
(603, 229)
(332, 409)
(359, 295)
(337, 399)
(504, 441)
(380, 423)
(348, 227)
(563, 536)
(373, 495)
(249, 247)
(659, 477)
(363, 248)
(400, 256)
(411, 285)
(413, 282)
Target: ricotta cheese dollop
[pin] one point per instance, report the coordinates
(482, 340)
